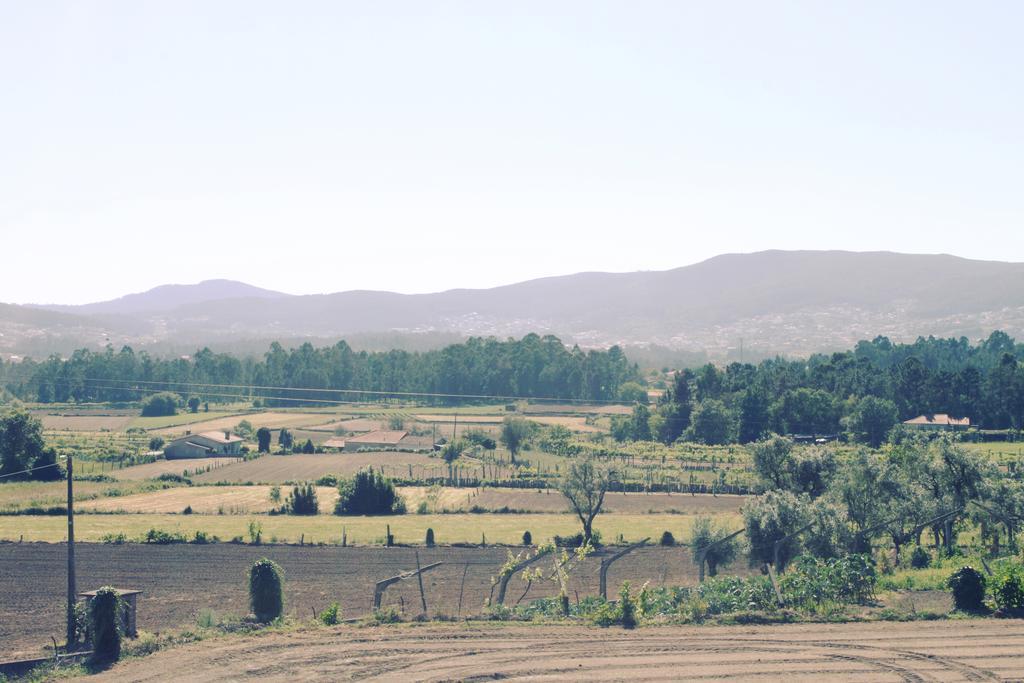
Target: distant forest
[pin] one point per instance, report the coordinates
(862, 392)
(984, 381)
(532, 367)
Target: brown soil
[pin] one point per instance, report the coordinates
(181, 580)
(976, 650)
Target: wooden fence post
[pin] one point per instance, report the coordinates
(607, 562)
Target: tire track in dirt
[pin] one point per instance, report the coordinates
(850, 653)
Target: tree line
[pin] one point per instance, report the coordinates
(531, 367)
(862, 392)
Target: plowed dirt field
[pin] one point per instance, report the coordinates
(181, 580)
(977, 650)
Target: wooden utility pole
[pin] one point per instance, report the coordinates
(72, 592)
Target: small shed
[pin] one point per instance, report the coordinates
(129, 601)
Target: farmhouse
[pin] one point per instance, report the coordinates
(938, 421)
(378, 439)
(205, 445)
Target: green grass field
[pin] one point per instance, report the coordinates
(454, 528)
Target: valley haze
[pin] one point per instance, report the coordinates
(759, 304)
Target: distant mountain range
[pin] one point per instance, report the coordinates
(788, 302)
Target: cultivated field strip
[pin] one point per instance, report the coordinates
(181, 580)
(981, 650)
(254, 499)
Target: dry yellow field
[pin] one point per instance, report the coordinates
(256, 499)
(452, 528)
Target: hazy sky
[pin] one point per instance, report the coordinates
(316, 147)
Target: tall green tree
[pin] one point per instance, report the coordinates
(755, 414)
(712, 424)
(585, 485)
(514, 433)
(871, 420)
(22, 448)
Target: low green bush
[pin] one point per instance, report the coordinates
(1008, 588)
(968, 586)
(105, 624)
(331, 615)
(266, 590)
(627, 607)
(920, 558)
(161, 537)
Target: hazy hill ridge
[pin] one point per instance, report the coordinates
(791, 302)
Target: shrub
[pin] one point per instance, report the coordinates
(331, 615)
(1008, 588)
(627, 607)
(430, 538)
(452, 450)
(327, 480)
(368, 494)
(115, 539)
(576, 540)
(811, 582)
(527, 538)
(266, 590)
(187, 510)
(203, 538)
(156, 443)
(255, 532)
(386, 615)
(302, 501)
(920, 558)
(172, 477)
(105, 624)
(968, 586)
(161, 537)
(158, 405)
(667, 539)
(422, 508)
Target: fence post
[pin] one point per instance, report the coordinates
(703, 552)
(607, 562)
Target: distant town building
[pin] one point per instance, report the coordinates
(205, 445)
(377, 439)
(938, 421)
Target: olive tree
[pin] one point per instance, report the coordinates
(585, 485)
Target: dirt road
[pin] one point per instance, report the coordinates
(963, 650)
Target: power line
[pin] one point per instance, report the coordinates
(31, 469)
